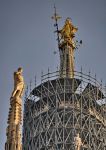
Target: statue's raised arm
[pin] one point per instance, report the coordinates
(18, 84)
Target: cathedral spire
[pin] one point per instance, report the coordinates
(13, 131)
(66, 45)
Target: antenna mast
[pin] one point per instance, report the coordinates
(56, 17)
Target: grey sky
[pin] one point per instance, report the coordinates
(27, 40)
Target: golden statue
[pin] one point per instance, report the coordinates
(78, 142)
(68, 32)
(18, 84)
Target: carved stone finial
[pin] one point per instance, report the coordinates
(14, 122)
(18, 84)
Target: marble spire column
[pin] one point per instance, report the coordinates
(13, 131)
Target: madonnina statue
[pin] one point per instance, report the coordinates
(68, 32)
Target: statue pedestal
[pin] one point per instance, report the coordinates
(14, 123)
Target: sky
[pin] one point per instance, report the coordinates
(27, 40)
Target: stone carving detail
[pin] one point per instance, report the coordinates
(18, 84)
(78, 142)
(14, 122)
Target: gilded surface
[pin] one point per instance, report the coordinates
(68, 32)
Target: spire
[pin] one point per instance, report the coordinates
(66, 45)
(13, 131)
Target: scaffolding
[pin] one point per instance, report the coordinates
(66, 110)
(60, 108)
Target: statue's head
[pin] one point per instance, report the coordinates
(20, 70)
(68, 21)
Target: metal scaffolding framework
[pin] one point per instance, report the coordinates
(59, 109)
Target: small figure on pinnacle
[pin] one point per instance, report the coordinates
(18, 84)
(78, 142)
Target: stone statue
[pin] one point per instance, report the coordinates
(68, 32)
(18, 84)
(78, 142)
